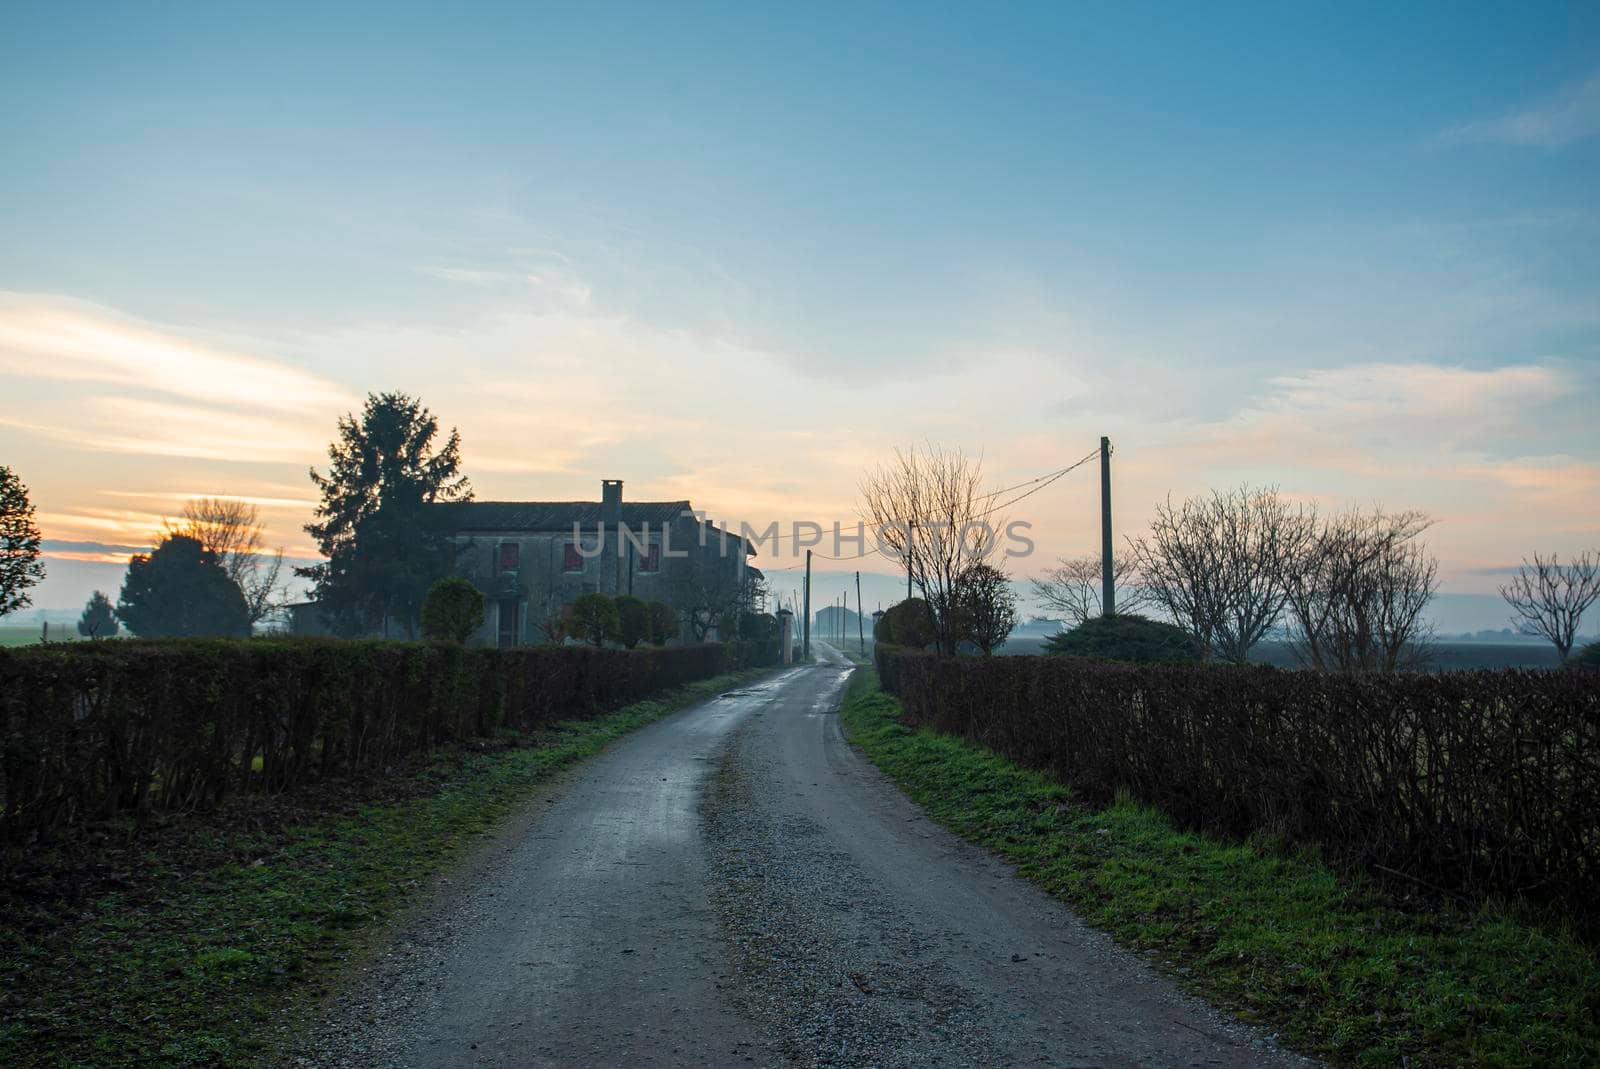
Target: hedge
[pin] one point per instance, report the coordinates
(1471, 784)
(91, 730)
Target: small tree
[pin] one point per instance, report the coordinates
(633, 620)
(1073, 585)
(1549, 598)
(549, 620)
(1219, 565)
(452, 610)
(98, 619)
(180, 591)
(1358, 592)
(20, 567)
(987, 607)
(663, 623)
(928, 508)
(594, 618)
(232, 530)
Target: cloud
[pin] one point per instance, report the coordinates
(1569, 116)
(57, 338)
(136, 426)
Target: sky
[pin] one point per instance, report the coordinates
(740, 253)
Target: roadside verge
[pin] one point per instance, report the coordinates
(214, 936)
(1274, 936)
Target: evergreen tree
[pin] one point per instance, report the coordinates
(181, 591)
(374, 523)
(98, 619)
(20, 566)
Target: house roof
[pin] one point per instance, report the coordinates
(552, 515)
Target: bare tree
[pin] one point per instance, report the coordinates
(232, 530)
(712, 596)
(1218, 565)
(928, 507)
(988, 608)
(1072, 587)
(1358, 591)
(1549, 598)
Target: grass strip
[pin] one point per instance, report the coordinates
(1273, 935)
(218, 966)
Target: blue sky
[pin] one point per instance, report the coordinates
(738, 252)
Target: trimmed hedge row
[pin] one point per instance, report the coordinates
(88, 730)
(1477, 784)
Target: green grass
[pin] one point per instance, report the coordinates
(215, 967)
(1277, 937)
(29, 635)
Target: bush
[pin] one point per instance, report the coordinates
(1588, 657)
(594, 619)
(907, 623)
(452, 611)
(633, 620)
(1125, 638)
(92, 729)
(758, 627)
(1486, 783)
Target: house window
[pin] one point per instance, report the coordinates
(573, 560)
(510, 556)
(510, 631)
(650, 559)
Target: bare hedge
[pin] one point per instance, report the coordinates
(1476, 784)
(88, 730)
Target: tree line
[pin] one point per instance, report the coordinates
(1349, 589)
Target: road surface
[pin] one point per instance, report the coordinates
(734, 885)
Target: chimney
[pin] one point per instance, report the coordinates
(611, 505)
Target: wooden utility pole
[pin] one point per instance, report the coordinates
(861, 634)
(805, 645)
(911, 537)
(1108, 590)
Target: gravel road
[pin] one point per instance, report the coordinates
(734, 885)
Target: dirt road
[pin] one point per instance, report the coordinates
(734, 886)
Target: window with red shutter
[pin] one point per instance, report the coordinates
(573, 561)
(650, 559)
(510, 556)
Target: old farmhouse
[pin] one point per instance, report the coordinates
(534, 558)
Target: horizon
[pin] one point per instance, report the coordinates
(739, 258)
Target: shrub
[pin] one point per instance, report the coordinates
(633, 620)
(1484, 783)
(91, 729)
(663, 623)
(1125, 638)
(1588, 657)
(453, 610)
(758, 627)
(594, 618)
(907, 623)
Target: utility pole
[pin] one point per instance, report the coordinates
(911, 538)
(1108, 590)
(861, 634)
(805, 646)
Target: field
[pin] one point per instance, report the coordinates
(1447, 656)
(28, 634)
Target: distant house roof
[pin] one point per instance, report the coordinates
(553, 515)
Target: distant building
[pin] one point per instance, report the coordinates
(532, 559)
